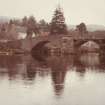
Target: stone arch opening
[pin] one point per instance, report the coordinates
(90, 46)
(40, 48)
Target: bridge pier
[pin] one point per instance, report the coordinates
(67, 45)
(27, 44)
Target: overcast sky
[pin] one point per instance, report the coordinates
(75, 11)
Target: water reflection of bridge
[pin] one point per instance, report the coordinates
(71, 41)
(55, 67)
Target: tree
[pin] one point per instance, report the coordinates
(32, 26)
(57, 25)
(3, 34)
(82, 28)
(12, 33)
(24, 21)
(43, 26)
(17, 22)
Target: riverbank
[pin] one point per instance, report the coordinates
(52, 51)
(12, 52)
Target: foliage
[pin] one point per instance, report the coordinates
(57, 25)
(31, 25)
(43, 26)
(82, 28)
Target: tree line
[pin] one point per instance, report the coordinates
(57, 26)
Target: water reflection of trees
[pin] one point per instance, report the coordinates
(58, 71)
(80, 68)
(27, 68)
(102, 62)
(12, 64)
(8, 64)
(58, 68)
(30, 72)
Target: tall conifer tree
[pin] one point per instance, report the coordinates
(57, 25)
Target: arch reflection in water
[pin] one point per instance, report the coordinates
(90, 59)
(58, 68)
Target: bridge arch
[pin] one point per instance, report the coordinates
(40, 47)
(88, 45)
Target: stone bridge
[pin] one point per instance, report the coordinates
(60, 41)
(99, 39)
(38, 42)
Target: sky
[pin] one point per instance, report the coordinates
(75, 11)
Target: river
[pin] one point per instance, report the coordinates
(52, 80)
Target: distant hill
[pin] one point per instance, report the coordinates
(71, 27)
(90, 27)
(4, 19)
(96, 28)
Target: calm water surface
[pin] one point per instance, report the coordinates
(52, 80)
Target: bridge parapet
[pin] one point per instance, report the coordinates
(89, 36)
